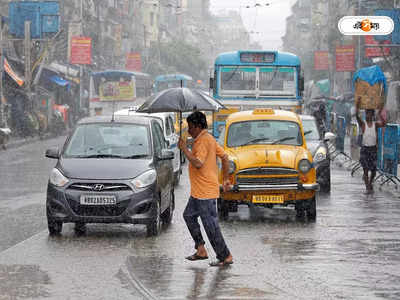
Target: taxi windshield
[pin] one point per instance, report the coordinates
(264, 132)
(106, 140)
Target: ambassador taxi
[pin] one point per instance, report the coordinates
(269, 162)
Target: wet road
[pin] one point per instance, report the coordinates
(350, 252)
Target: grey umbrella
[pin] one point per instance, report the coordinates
(180, 100)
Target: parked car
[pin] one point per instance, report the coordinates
(269, 162)
(166, 121)
(112, 170)
(318, 147)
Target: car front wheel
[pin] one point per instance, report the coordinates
(154, 226)
(55, 227)
(311, 209)
(169, 212)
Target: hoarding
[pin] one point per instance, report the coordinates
(345, 58)
(321, 60)
(133, 62)
(81, 50)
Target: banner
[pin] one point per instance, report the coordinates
(74, 29)
(321, 60)
(81, 50)
(345, 58)
(117, 91)
(133, 62)
(375, 51)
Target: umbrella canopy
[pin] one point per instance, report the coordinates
(180, 99)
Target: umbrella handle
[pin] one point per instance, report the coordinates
(180, 124)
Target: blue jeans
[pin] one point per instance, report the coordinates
(206, 209)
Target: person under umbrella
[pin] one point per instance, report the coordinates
(204, 190)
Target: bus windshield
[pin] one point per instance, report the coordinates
(264, 81)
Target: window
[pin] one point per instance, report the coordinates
(158, 138)
(123, 140)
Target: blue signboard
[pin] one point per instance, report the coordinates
(394, 14)
(44, 18)
(390, 149)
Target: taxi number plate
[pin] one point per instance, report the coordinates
(98, 200)
(268, 198)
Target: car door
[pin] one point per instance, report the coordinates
(172, 139)
(163, 167)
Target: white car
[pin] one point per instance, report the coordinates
(167, 123)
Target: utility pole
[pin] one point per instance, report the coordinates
(27, 47)
(3, 119)
(81, 66)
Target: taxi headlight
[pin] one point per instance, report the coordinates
(232, 167)
(145, 179)
(320, 154)
(304, 166)
(57, 178)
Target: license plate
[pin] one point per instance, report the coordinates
(98, 200)
(268, 198)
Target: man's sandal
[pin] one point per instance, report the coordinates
(220, 263)
(196, 257)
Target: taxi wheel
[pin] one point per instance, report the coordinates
(223, 209)
(299, 207)
(154, 226)
(311, 209)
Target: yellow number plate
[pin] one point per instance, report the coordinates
(268, 198)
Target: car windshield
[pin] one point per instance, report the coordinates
(109, 140)
(264, 132)
(310, 130)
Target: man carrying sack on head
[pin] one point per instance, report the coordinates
(369, 150)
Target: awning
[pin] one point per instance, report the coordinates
(59, 80)
(19, 80)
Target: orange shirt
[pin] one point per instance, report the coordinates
(204, 181)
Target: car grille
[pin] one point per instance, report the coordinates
(268, 171)
(267, 180)
(98, 210)
(105, 187)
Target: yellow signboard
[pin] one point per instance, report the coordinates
(117, 91)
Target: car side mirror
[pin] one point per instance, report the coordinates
(329, 136)
(166, 154)
(53, 152)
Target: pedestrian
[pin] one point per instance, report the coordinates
(204, 189)
(369, 150)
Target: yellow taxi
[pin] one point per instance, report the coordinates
(269, 163)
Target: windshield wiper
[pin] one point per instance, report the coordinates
(287, 138)
(307, 132)
(254, 141)
(101, 156)
(136, 156)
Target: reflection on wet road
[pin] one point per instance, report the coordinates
(350, 252)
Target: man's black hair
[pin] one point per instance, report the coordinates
(198, 119)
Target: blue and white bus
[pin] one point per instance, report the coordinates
(256, 79)
(162, 82)
(114, 90)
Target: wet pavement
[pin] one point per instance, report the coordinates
(350, 252)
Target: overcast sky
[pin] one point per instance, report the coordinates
(268, 22)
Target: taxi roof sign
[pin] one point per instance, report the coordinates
(263, 111)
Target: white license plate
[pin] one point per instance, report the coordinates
(98, 200)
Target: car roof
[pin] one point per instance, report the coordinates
(250, 115)
(117, 118)
(130, 112)
(307, 117)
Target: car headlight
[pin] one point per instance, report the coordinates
(145, 179)
(232, 167)
(320, 154)
(57, 178)
(304, 166)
